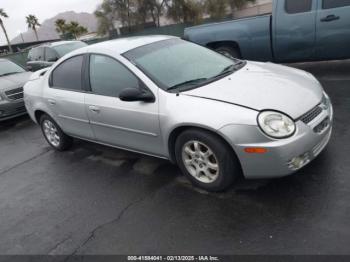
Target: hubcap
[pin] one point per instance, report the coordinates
(51, 133)
(200, 161)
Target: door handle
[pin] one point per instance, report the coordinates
(51, 102)
(330, 18)
(94, 109)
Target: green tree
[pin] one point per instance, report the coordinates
(106, 16)
(61, 26)
(237, 4)
(3, 14)
(151, 9)
(111, 11)
(186, 10)
(75, 29)
(33, 22)
(216, 9)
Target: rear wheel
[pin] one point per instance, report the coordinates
(54, 135)
(228, 51)
(206, 160)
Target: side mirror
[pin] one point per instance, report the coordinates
(135, 94)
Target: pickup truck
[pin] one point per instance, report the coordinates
(297, 30)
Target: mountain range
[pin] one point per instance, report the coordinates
(47, 30)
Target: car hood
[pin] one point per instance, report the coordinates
(14, 81)
(263, 86)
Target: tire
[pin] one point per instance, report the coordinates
(228, 51)
(63, 142)
(214, 173)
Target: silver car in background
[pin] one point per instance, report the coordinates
(12, 79)
(215, 117)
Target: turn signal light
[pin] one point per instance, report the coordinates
(255, 150)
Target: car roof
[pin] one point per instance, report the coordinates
(123, 45)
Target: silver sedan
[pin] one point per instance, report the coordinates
(217, 118)
(12, 79)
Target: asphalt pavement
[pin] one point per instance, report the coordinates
(97, 200)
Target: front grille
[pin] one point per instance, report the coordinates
(21, 109)
(15, 94)
(311, 115)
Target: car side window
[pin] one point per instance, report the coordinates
(298, 6)
(36, 54)
(50, 55)
(109, 77)
(40, 54)
(328, 4)
(31, 54)
(68, 75)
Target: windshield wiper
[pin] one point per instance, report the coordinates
(188, 83)
(230, 69)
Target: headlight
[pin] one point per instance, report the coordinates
(325, 101)
(275, 124)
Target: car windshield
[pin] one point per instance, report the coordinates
(179, 65)
(8, 67)
(69, 47)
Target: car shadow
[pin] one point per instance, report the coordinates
(13, 123)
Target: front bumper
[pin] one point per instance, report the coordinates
(11, 109)
(280, 155)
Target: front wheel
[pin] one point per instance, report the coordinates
(206, 160)
(54, 135)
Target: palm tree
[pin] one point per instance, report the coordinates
(76, 29)
(4, 15)
(33, 22)
(61, 26)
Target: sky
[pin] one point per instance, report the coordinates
(17, 10)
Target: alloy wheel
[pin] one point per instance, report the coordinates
(51, 133)
(200, 161)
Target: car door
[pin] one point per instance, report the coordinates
(333, 29)
(294, 30)
(129, 125)
(65, 98)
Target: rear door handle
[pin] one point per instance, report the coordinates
(51, 102)
(330, 18)
(94, 109)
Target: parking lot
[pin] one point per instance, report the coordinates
(98, 200)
